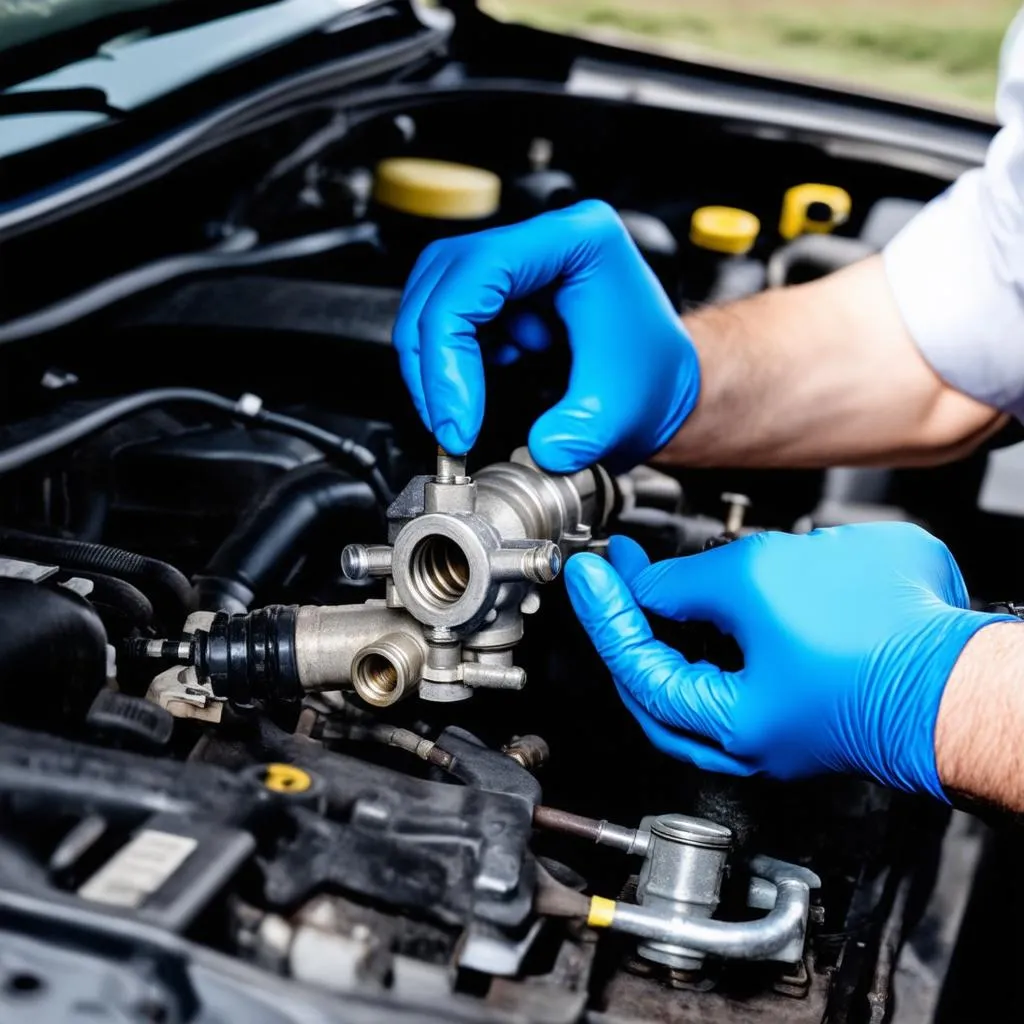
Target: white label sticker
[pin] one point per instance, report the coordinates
(138, 869)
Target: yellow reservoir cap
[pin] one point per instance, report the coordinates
(436, 188)
(813, 209)
(724, 229)
(286, 778)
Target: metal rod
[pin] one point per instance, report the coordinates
(602, 832)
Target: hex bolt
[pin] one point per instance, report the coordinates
(360, 561)
(737, 511)
(451, 469)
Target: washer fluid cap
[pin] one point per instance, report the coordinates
(813, 209)
(724, 229)
(436, 188)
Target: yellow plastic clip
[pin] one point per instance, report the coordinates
(602, 912)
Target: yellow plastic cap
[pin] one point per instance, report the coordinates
(286, 778)
(724, 229)
(813, 209)
(436, 188)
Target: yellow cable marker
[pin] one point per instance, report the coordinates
(602, 912)
(286, 778)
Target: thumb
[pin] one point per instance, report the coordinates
(572, 435)
(711, 586)
(628, 557)
(606, 608)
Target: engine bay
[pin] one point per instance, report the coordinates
(289, 686)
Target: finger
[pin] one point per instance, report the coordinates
(628, 558)
(697, 698)
(406, 333)
(575, 433)
(453, 374)
(685, 748)
(709, 586)
(471, 292)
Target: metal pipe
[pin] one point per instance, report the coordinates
(781, 930)
(329, 638)
(602, 832)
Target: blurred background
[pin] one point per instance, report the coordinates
(942, 51)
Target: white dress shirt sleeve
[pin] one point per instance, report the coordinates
(957, 269)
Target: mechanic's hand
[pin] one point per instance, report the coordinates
(635, 376)
(848, 636)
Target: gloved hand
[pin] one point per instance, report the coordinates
(848, 636)
(635, 376)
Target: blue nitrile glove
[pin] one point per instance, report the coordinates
(848, 636)
(635, 376)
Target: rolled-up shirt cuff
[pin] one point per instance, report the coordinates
(961, 306)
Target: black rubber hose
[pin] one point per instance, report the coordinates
(355, 457)
(175, 268)
(273, 533)
(169, 590)
(123, 598)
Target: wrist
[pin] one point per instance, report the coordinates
(979, 730)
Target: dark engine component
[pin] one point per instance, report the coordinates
(53, 649)
(167, 588)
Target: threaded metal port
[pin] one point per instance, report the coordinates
(439, 570)
(377, 676)
(386, 671)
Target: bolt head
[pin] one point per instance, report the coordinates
(731, 498)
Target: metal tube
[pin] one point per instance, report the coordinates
(764, 939)
(493, 677)
(361, 561)
(402, 739)
(601, 832)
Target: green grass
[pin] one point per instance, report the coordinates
(941, 50)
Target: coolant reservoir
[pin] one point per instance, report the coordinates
(437, 189)
(417, 200)
(813, 209)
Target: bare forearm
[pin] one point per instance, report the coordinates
(979, 736)
(820, 374)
